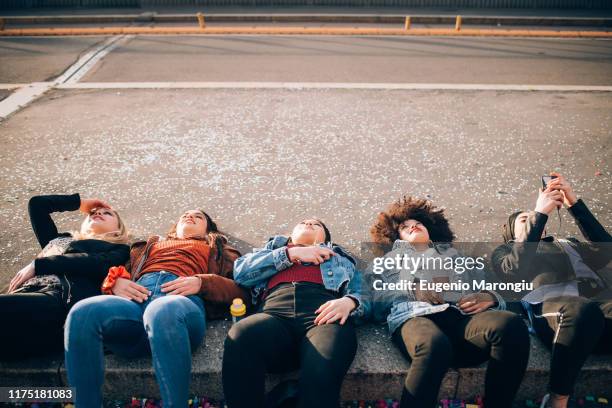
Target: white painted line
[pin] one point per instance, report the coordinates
(25, 94)
(12, 86)
(87, 61)
(332, 85)
(22, 97)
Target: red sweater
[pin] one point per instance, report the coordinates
(297, 273)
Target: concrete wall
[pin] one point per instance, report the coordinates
(560, 4)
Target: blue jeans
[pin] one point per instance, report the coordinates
(168, 327)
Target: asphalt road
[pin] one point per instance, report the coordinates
(366, 59)
(318, 59)
(36, 59)
(259, 160)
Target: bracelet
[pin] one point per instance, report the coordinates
(114, 273)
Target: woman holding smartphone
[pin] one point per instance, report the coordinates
(570, 309)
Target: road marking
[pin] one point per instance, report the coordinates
(332, 85)
(28, 93)
(12, 86)
(22, 97)
(87, 61)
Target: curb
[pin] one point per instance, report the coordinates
(301, 31)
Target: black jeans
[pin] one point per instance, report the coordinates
(283, 337)
(32, 325)
(436, 342)
(573, 327)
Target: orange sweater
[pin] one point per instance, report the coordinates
(183, 257)
(218, 287)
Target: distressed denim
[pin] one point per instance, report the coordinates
(167, 327)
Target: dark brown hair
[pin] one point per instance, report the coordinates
(214, 237)
(386, 228)
(325, 229)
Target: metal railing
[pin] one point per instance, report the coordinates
(509, 4)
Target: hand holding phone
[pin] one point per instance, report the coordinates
(546, 180)
(557, 182)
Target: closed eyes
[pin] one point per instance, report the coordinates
(194, 215)
(313, 223)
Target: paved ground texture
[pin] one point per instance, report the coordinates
(260, 159)
(32, 59)
(355, 59)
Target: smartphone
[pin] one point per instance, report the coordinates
(546, 180)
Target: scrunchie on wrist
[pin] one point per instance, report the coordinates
(114, 273)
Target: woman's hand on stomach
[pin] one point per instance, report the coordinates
(183, 286)
(334, 310)
(130, 290)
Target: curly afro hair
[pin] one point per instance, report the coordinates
(385, 229)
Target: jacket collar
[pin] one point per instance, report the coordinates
(278, 241)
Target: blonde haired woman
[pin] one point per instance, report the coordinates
(156, 306)
(70, 267)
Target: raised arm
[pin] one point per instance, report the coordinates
(596, 252)
(589, 226)
(40, 209)
(592, 230)
(514, 260)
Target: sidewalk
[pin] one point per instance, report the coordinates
(377, 372)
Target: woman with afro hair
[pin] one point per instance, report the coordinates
(439, 330)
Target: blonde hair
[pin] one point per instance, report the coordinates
(121, 236)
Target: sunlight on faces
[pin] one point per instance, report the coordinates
(414, 232)
(192, 224)
(520, 227)
(100, 221)
(308, 232)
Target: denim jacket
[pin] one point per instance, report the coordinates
(339, 273)
(397, 306)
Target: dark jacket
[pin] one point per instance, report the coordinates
(218, 287)
(84, 265)
(544, 260)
